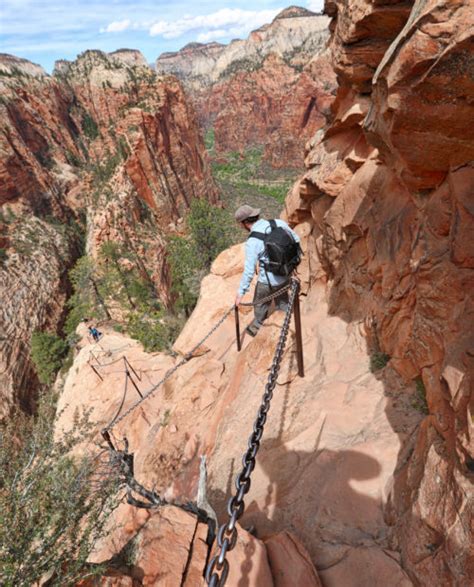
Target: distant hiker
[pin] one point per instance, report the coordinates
(275, 247)
(95, 333)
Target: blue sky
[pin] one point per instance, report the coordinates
(45, 30)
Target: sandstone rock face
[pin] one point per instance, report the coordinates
(329, 447)
(272, 89)
(104, 139)
(388, 196)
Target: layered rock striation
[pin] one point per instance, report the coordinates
(388, 194)
(272, 89)
(104, 149)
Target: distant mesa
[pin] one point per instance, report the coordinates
(294, 12)
(12, 65)
(127, 57)
(192, 47)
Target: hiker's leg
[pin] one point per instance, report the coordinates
(261, 310)
(281, 302)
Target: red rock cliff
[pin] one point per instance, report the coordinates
(107, 139)
(272, 89)
(388, 193)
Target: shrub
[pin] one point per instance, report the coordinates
(89, 126)
(183, 273)
(53, 507)
(378, 361)
(190, 257)
(419, 401)
(154, 330)
(47, 353)
(86, 300)
(209, 139)
(209, 230)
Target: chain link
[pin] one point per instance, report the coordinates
(268, 298)
(168, 374)
(218, 568)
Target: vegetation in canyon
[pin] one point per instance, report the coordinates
(53, 506)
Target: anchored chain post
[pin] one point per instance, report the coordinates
(218, 568)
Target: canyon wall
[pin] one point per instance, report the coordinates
(368, 458)
(104, 149)
(272, 89)
(388, 194)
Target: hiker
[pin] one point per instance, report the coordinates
(256, 251)
(95, 333)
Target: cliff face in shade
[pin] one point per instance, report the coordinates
(388, 194)
(272, 89)
(104, 139)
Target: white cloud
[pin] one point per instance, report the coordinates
(117, 26)
(212, 35)
(315, 5)
(223, 22)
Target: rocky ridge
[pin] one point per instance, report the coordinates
(104, 147)
(272, 89)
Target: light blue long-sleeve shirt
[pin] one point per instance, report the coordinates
(255, 252)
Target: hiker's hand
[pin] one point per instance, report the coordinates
(238, 299)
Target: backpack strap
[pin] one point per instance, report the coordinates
(257, 235)
(260, 235)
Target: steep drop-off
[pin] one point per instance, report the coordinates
(102, 150)
(272, 89)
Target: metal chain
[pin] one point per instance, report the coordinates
(218, 568)
(168, 374)
(268, 298)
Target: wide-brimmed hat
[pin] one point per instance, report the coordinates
(245, 212)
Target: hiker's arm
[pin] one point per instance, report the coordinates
(251, 258)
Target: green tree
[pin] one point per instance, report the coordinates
(184, 272)
(155, 330)
(87, 299)
(190, 257)
(209, 230)
(116, 278)
(47, 353)
(89, 126)
(53, 506)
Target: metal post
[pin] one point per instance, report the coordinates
(299, 338)
(96, 372)
(108, 440)
(127, 372)
(237, 327)
(134, 372)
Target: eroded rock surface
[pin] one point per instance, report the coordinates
(103, 150)
(388, 193)
(328, 451)
(273, 88)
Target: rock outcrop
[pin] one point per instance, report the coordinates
(272, 89)
(328, 451)
(104, 147)
(388, 195)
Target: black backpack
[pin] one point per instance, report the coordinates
(282, 251)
